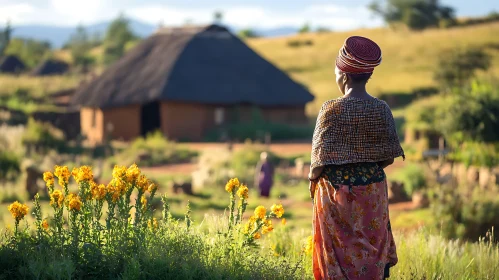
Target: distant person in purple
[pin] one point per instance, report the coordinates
(264, 175)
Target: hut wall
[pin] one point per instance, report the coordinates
(125, 122)
(292, 115)
(92, 128)
(181, 121)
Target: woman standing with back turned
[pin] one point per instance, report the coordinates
(354, 140)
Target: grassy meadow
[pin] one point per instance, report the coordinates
(172, 241)
(409, 58)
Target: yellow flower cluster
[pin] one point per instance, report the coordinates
(242, 192)
(233, 183)
(84, 173)
(62, 172)
(98, 191)
(250, 226)
(278, 210)
(56, 198)
(257, 235)
(74, 202)
(48, 177)
(267, 226)
(309, 248)
(142, 183)
(153, 224)
(143, 201)
(260, 212)
(116, 188)
(45, 225)
(18, 210)
(132, 173)
(153, 187)
(119, 172)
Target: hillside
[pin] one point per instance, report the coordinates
(409, 58)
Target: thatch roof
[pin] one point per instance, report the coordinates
(50, 67)
(11, 64)
(205, 65)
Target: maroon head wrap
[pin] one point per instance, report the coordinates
(358, 55)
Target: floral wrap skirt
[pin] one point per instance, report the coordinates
(352, 233)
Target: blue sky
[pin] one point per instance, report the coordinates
(335, 14)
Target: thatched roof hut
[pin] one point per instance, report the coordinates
(11, 64)
(190, 74)
(50, 67)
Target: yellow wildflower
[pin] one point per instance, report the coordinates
(119, 172)
(153, 187)
(278, 210)
(250, 225)
(143, 201)
(310, 245)
(242, 192)
(132, 173)
(62, 172)
(260, 212)
(142, 183)
(257, 235)
(113, 190)
(84, 173)
(48, 177)
(232, 184)
(45, 225)
(18, 210)
(75, 203)
(283, 221)
(153, 224)
(98, 192)
(56, 198)
(267, 226)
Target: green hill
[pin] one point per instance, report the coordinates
(409, 58)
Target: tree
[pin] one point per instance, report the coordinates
(80, 45)
(117, 35)
(30, 51)
(248, 33)
(305, 28)
(416, 14)
(471, 114)
(5, 36)
(218, 17)
(322, 29)
(457, 67)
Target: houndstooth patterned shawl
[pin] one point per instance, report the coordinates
(353, 130)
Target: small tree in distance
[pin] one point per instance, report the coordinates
(457, 67)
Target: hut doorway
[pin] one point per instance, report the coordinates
(150, 118)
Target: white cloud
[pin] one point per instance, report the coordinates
(16, 12)
(70, 13)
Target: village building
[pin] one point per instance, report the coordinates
(50, 67)
(11, 64)
(185, 82)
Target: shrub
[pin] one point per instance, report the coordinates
(42, 135)
(119, 244)
(413, 177)
(9, 166)
(155, 149)
(465, 213)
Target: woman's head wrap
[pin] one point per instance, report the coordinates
(358, 55)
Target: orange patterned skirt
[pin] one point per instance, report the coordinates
(352, 234)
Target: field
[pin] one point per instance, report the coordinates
(197, 244)
(409, 58)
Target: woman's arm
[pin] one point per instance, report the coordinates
(315, 173)
(384, 164)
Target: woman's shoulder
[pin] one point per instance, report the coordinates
(373, 102)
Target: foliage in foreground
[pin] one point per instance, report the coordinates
(78, 241)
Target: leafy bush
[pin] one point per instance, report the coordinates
(9, 166)
(42, 135)
(120, 245)
(465, 213)
(477, 154)
(155, 149)
(457, 67)
(413, 177)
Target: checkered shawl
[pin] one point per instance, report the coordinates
(352, 130)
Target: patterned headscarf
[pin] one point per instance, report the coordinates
(358, 55)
